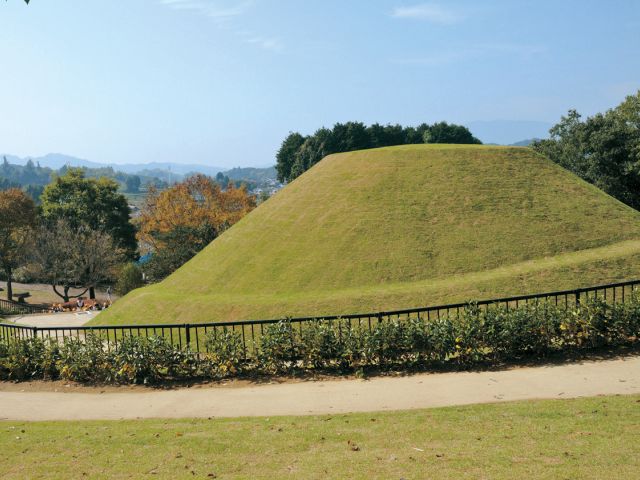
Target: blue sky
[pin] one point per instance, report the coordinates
(221, 82)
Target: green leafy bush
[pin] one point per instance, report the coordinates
(440, 339)
(86, 360)
(386, 343)
(475, 335)
(29, 359)
(320, 344)
(130, 278)
(225, 353)
(149, 360)
(279, 348)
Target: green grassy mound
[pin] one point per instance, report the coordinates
(400, 227)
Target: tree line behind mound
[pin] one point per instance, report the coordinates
(298, 153)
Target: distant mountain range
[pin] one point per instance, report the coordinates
(58, 160)
(508, 132)
(524, 143)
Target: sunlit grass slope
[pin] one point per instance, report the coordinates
(400, 227)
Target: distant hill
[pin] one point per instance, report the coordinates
(57, 160)
(178, 168)
(524, 143)
(54, 161)
(507, 132)
(258, 175)
(401, 227)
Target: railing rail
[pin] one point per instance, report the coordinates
(9, 307)
(194, 334)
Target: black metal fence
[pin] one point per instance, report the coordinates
(8, 307)
(194, 335)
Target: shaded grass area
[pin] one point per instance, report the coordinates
(400, 227)
(589, 438)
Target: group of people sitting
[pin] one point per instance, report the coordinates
(80, 304)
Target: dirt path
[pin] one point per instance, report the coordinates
(606, 377)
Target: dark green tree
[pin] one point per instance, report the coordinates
(443, 132)
(129, 278)
(95, 203)
(132, 183)
(297, 153)
(603, 150)
(17, 221)
(286, 155)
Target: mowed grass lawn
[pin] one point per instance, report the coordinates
(591, 438)
(401, 227)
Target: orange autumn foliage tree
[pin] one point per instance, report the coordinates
(195, 203)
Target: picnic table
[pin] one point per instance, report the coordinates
(21, 296)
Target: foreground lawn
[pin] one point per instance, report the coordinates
(562, 439)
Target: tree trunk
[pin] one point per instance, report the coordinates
(9, 273)
(64, 295)
(92, 293)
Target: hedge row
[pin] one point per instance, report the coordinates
(475, 336)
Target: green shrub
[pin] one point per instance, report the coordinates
(469, 331)
(149, 360)
(279, 348)
(528, 330)
(130, 278)
(386, 343)
(225, 353)
(475, 335)
(320, 344)
(86, 360)
(628, 319)
(441, 339)
(4, 353)
(29, 359)
(352, 345)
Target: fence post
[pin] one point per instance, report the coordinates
(577, 298)
(34, 332)
(187, 329)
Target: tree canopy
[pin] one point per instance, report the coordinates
(603, 149)
(95, 203)
(177, 223)
(74, 256)
(299, 153)
(17, 219)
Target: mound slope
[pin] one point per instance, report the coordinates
(399, 227)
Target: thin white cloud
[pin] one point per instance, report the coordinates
(223, 12)
(266, 43)
(210, 9)
(429, 12)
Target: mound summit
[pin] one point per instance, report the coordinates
(399, 227)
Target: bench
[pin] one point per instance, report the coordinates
(21, 296)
